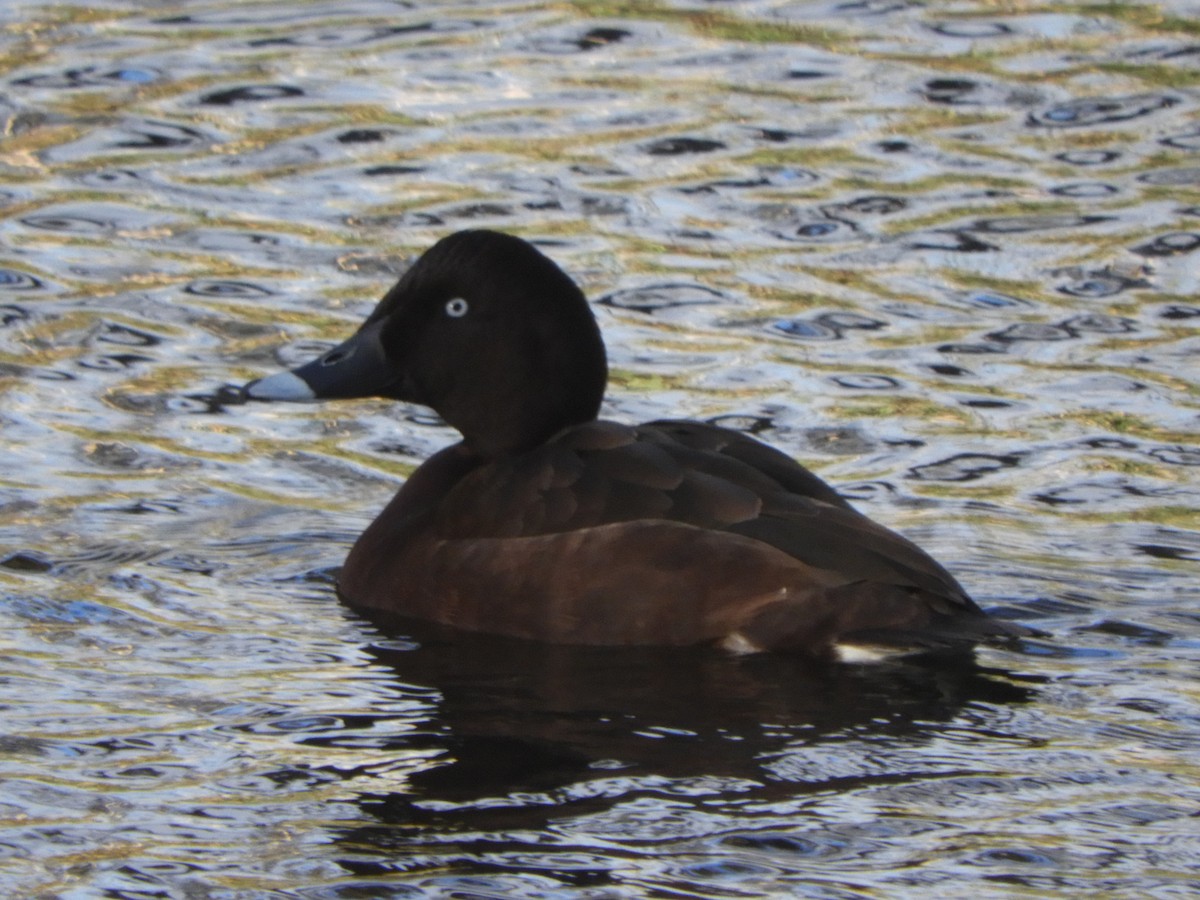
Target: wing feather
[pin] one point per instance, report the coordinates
(602, 473)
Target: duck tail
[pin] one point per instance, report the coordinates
(871, 622)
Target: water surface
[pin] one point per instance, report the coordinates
(945, 254)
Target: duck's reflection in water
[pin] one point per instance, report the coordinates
(528, 732)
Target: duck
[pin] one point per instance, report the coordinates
(547, 523)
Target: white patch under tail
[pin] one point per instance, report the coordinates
(740, 645)
(866, 653)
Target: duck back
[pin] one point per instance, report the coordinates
(666, 533)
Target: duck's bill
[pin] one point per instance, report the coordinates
(356, 368)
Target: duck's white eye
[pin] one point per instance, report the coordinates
(457, 308)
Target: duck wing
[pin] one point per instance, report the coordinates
(604, 473)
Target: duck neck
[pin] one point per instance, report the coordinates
(515, 417)
(508, 435)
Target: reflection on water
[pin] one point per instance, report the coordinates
(945, 255)
(528, 736)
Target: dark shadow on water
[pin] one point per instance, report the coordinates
(528, 731)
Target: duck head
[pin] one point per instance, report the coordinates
(484, 330)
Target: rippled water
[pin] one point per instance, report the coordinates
(947, 254)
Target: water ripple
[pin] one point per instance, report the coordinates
(964, 294)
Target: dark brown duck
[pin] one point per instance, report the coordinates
(547, 523)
